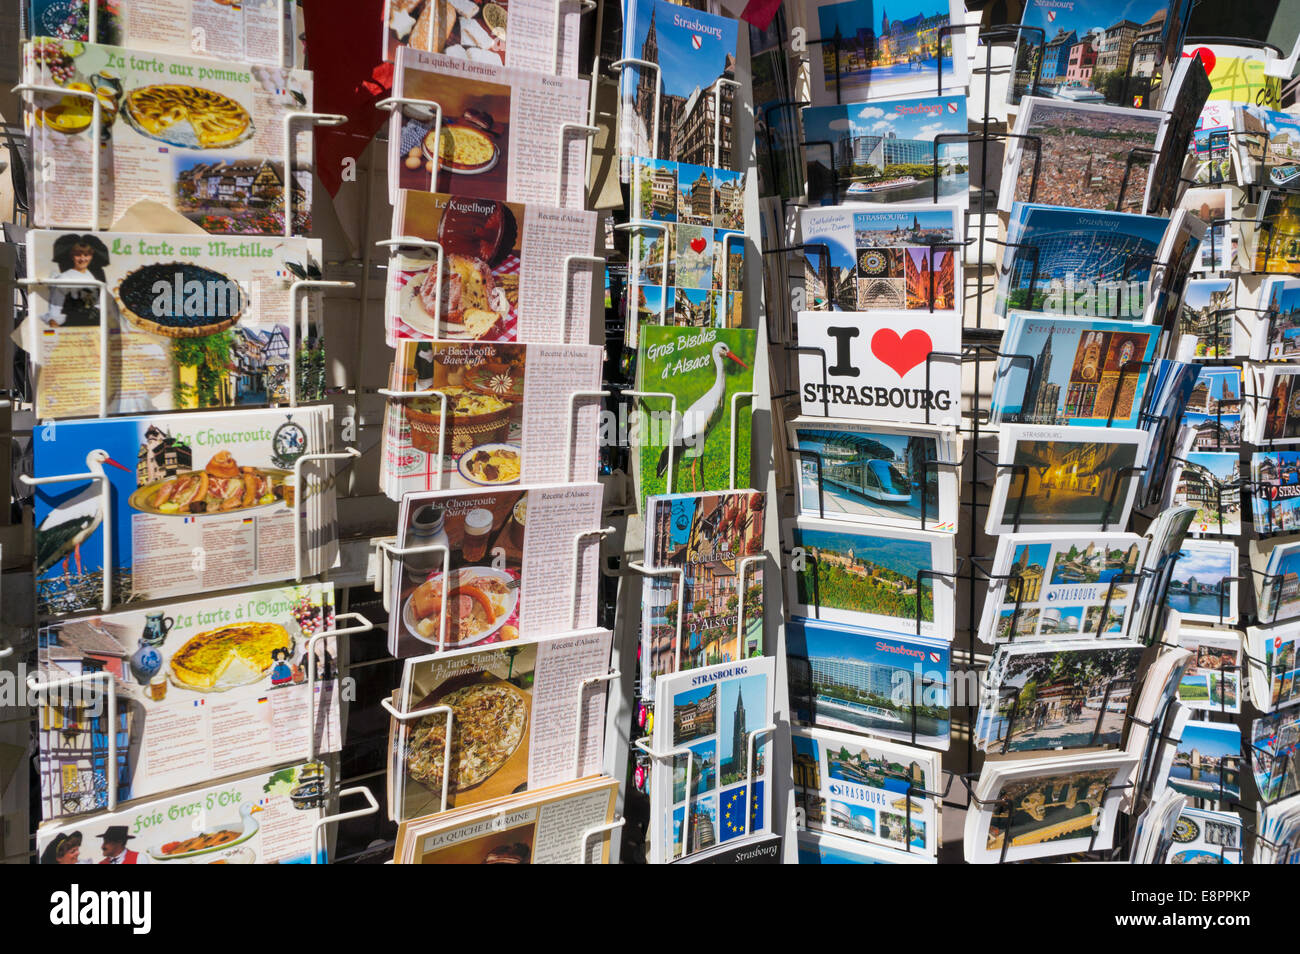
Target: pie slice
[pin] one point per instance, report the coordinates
(216, 119)
(233, 655)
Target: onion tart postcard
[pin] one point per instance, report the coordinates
(206, 688)
(192, 322)
(881, 366)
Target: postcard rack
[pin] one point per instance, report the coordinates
(977, 465)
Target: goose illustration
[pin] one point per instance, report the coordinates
(65, 528)
(692, 429)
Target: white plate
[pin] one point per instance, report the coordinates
(463, 469)
(465, 574)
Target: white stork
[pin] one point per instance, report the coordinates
(66, 527)
(692, 429)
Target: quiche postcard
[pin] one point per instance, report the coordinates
(187, 503)
(204, 689)
(202, 137)
(192, 322)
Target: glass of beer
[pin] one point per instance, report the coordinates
(478, 525)
(158, 688)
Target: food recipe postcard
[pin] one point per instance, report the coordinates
(196, 502)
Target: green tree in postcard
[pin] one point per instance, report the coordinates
(703, 368)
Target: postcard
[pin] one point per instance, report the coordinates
(713, 782)
(1208, 762)
(882, 366)
(1079, 51)
(895, 259)
(772, 66)
(1072, 371)
(716, 540)
(1278, 585)
(1268, 146)
(1079, 263)
(1175, 260)
(207, 688)
(1203, 586)
(1205, 838)
(1153, 835)
(884, 152)
(1175, 383)
(1275, 479)
(509, 411)
(1156, 703)
(196, 502)
(864, 680)
(498, 130)
(1280, 423)
(1209, 482)
(1273, 244)
(821, 848)
(529, 35)
(1279, 826)
(1065, 478)
(1046, 586)
(693, 218)
(867, 52)
(522, 562)
(707, 442)
(1079, 154)
(212, 150)
(536, 828)
(1046, 807)
(1057, 695)
(1213, 411)
(1213, 681)
(503, 274)
(1214, 208)
(1271, 652)
(1211, 144)
(1273, 754)
(894, 580)
(754, 850)
(265, 818)
(520, 719)
(194, 322)
(1182, 99)
(245, 33)
(867, 790)
(876, 474)
(1277, 332)
(678, 110)
(1207, 316)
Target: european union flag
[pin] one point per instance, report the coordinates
(733, 812)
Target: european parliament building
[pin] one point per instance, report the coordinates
(1084, 254)
(882, 151)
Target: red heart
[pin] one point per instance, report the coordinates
(1208, 59)
(901, 354)
(697, 245)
